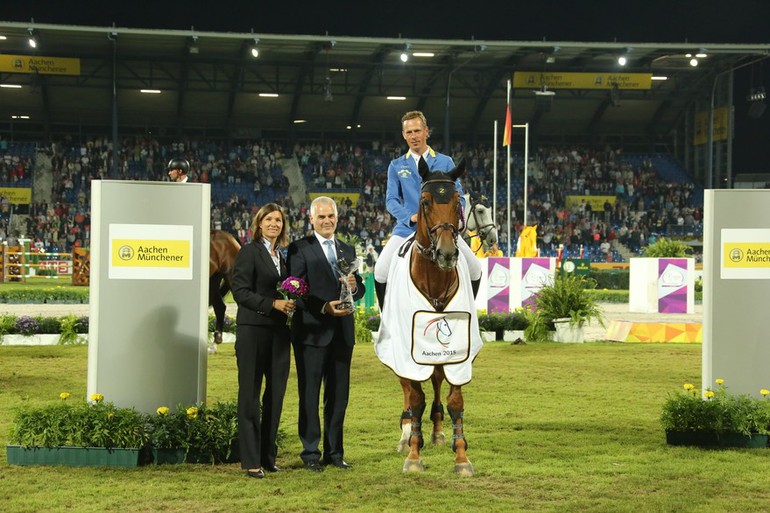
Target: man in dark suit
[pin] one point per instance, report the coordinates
(323, 336)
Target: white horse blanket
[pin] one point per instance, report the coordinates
(414, 337)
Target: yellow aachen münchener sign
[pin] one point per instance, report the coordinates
(721, 125)
(743, 255)
(17, 195)
(598, 80)
(39, 64)
(150, 253)
(338, 196)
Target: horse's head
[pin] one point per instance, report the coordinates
(479, 219)
(438, 217)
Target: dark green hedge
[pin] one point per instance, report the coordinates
(611, 280)
(44, 295)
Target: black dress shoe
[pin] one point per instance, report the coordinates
(340, 464)
(314, 466)
(256, 474)
(271, 468)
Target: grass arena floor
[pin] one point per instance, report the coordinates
(552, 427)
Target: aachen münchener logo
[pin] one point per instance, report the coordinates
(126, 252)
(736, 255)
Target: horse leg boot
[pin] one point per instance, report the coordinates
(413, 462)
(379, 289)
(455, 405)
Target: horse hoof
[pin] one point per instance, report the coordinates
(464, 469)
(212, 349)
(438, 438)
(217, 337)
(413, 465)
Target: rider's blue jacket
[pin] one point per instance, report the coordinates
(404, 182)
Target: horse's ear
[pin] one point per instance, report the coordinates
(458, 171)
(422, 167)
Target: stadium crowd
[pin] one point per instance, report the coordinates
(639, 205)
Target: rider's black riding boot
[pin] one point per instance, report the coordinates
(379, 289)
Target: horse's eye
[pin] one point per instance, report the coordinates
(425, 203)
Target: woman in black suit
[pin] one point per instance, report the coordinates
(262, 339)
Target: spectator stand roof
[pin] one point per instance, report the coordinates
(328, 86)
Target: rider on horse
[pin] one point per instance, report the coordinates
(403, 195)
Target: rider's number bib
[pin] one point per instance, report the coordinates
(440, 337)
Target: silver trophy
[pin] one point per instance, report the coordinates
(345, 268)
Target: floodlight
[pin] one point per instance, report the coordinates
(255, 48)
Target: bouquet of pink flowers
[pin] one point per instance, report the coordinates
(292, 288)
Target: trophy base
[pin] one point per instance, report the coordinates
(345, 305)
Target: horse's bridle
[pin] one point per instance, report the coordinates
(433, 232)
(482, 231)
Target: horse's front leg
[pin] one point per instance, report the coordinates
(218, 303)
(413, 461)
(455, 406)
(406, 416)
(437, 409)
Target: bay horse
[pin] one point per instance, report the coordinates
(431, 260)
(477, 217)
(223, 248)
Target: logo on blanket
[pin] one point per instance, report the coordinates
(441, 329)
(440, 338)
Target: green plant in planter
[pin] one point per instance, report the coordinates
(70, 330)
(363, 325)
(229, 325)
(7, 324)
(167, 429)
(212, 431)
(667, 248)
(538, 326)
(516, 320)
(567, 297)
(493, 322)
(500, 322)
(371, 318)
(79, 424)
(716, 412)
